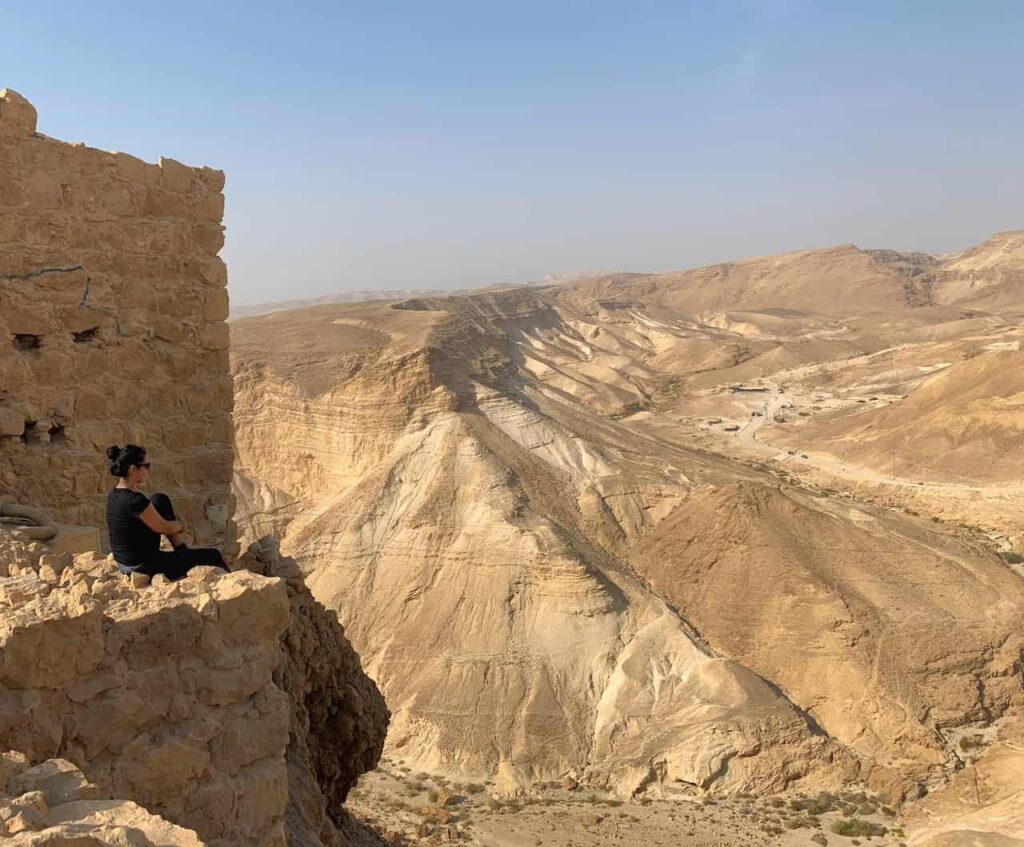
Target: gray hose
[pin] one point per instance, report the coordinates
(44, 528)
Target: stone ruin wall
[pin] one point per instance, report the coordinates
(113, 304)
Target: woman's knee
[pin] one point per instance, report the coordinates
(162, 503)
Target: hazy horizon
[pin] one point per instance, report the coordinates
(404, 146)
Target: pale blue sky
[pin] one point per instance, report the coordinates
(421, 144)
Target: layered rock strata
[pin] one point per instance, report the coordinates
(113, 303)
(546, 578)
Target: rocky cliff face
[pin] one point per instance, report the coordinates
(204, 701)
(338, 720)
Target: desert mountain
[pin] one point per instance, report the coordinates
(554, 558)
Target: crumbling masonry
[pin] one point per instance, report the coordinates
(113, 303)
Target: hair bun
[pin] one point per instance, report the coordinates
(113, 451)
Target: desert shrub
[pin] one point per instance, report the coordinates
(854, 827)
(1012, 558)
(971, 742)
(866, 809)
(432, 795)
(474, 788)
(819, 805)
(776, 802)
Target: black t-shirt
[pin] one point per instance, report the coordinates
(131, 541)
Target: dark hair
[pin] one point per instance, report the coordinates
(122, 458)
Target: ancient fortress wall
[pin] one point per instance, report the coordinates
(113, 303)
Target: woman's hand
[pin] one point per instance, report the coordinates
(152, 518)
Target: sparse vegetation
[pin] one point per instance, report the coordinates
(855, 828)
(971, 742)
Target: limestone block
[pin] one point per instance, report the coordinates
(17, 115)
(39, 321)
(131, 169)
(252, 735)
(210, 209)
(214, 271)
(161, 203)
(155, 635)
(215, 336)
(168, 329)
(12, 422)
(21, 587)
(215, 304)
(212, 179)
(33, 718)
(25, 813)
(210, 238)
(12, 763)
(58, 780)
(251, 610)
(35, 653)
(42, 190)
(175, 175)
(91, 403)
(10, 191)
(262, 795)
(150, 764)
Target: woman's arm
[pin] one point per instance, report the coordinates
(152, 518)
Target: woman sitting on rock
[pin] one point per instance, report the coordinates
(135, 523)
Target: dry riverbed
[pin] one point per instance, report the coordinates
(410, 808)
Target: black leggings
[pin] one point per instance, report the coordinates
(177, 563)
